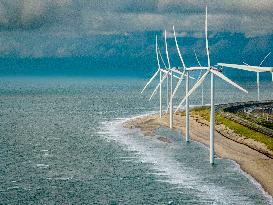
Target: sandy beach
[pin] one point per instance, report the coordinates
(253, 157)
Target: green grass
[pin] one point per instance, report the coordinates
(258, 121)
(237, 128)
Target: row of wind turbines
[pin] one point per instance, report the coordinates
(168, 73)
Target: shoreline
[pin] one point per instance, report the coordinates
(251, 161)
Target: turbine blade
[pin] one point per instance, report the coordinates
(264, 58)
(220, 75)
(200, 73)
(191, 77)
(196, 68)
(178, 50)
(166, 47)
(199, 82)
(175, 76)
(157, 87)
(152, 78)
(177, 85)
(207, 41)
(156, 50)
(197, 58)
(248, 68)
(245, 63)
(160, 55)
(164, 71)
(176, 88)
(177, 71)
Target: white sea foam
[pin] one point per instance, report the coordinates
(13, 187)
(253, 180)
(42, 165)
(166, 167)
(236, 165)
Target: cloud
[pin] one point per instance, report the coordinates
(251, 17)
(34, 14)
(223, 6)
(118, 16)
(72, 27)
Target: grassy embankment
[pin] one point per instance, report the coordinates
(259, 121)
(237, 128)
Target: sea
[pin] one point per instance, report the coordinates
(62, 142)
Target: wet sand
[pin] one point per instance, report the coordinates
(253, 157)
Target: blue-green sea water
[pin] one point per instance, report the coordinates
(62, 142)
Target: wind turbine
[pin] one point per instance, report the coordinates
(159, 71)
(166, 76)
(212, 71)
(183, 74)
(257, 69)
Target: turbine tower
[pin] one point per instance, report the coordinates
(212, 71)
(171, 86)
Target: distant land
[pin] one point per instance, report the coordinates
(93, 66)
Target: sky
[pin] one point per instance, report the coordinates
(121, 33)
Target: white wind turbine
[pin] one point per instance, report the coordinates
(257, 69)
(170, 72)
(212, 71)
(184, 74)
(159, 71)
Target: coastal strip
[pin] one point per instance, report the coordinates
(248, 153)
